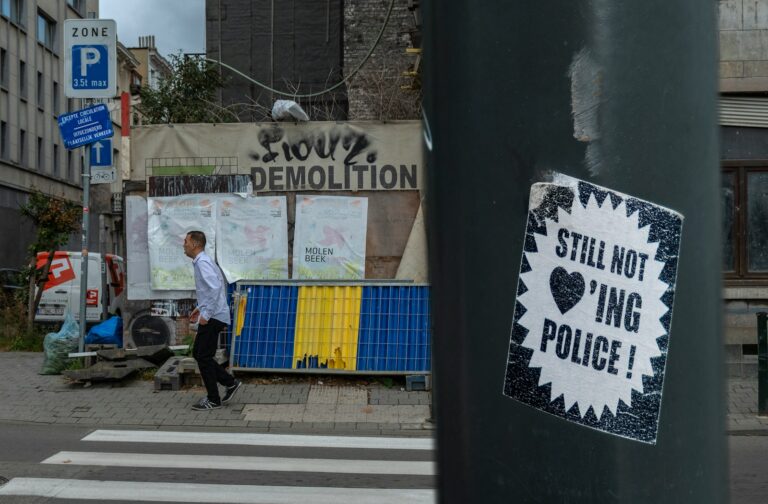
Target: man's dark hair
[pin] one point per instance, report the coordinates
(198, 237)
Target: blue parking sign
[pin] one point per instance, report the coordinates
(90, 67)
(90, 58)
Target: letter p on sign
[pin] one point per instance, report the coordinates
(88, 56)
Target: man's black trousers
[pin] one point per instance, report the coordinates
(204, 351)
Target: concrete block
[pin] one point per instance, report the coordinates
(755, 15)
(733, 353)
(323, 394)
(353, 395)
(418, 382)
(737, 306)
(741, 45)
(168, 377)
(731, 69)
(744, 320)
(745, 292)
(740, 335)
(730, 14)
(733, 369)
(90, 361)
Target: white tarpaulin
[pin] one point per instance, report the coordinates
(252, 237)
(170, 219)
(329, 238)
(137, 259)
(313, 156)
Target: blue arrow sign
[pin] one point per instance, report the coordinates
(85, 126)
(101, 153)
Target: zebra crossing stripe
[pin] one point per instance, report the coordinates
(241, 463)
(252, 439)
(196, 492)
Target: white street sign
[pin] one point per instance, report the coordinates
(90, 58)
(103, 174)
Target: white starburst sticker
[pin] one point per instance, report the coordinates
(594, 305)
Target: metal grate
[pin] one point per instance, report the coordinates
(744, 111)
(395, 330)
(312, 327)
(266, 319)
(191, 166)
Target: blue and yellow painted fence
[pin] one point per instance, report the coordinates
(353, 327)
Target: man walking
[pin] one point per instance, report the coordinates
(212, 315)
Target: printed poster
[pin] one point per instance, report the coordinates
(329, 238)
(137, 249)
(252, 237)
(594, 306)
(169, 221)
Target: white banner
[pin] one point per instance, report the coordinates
(311, 156)
(170, 219)
(252, 237)
(329, 238)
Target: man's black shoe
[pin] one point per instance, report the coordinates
(206, 404)
(231, 392)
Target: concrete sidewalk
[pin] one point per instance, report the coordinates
(742, 408)
(298, 404)
(295, 404)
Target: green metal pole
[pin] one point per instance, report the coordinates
(762, 363)
(619, 94)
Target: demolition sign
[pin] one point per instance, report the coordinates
(594, 306)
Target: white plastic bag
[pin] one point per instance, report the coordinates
(288, 110)
(57, 346)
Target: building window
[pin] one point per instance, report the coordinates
(3, 68)
(16, 10)
(77, 5)
(69, 165)
(55, 160)
(744, 192)
(4, 140)
(22, 80)
(5, 8)
(55, 98)
(22, 147)
(40, 91)
(46, 30)
(40, 160)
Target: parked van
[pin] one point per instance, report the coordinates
(61, 292)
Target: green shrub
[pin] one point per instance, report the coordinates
(14, 333)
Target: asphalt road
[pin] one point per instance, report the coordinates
(748, 469)
(59, 453)
(199, 465)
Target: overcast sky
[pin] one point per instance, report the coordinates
(176, 24)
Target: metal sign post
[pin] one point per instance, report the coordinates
(90, 71)
(84, 243)
(594, 113)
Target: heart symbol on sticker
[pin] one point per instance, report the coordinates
(567, 288)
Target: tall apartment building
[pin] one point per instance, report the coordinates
(744, 146)
(32, 155)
